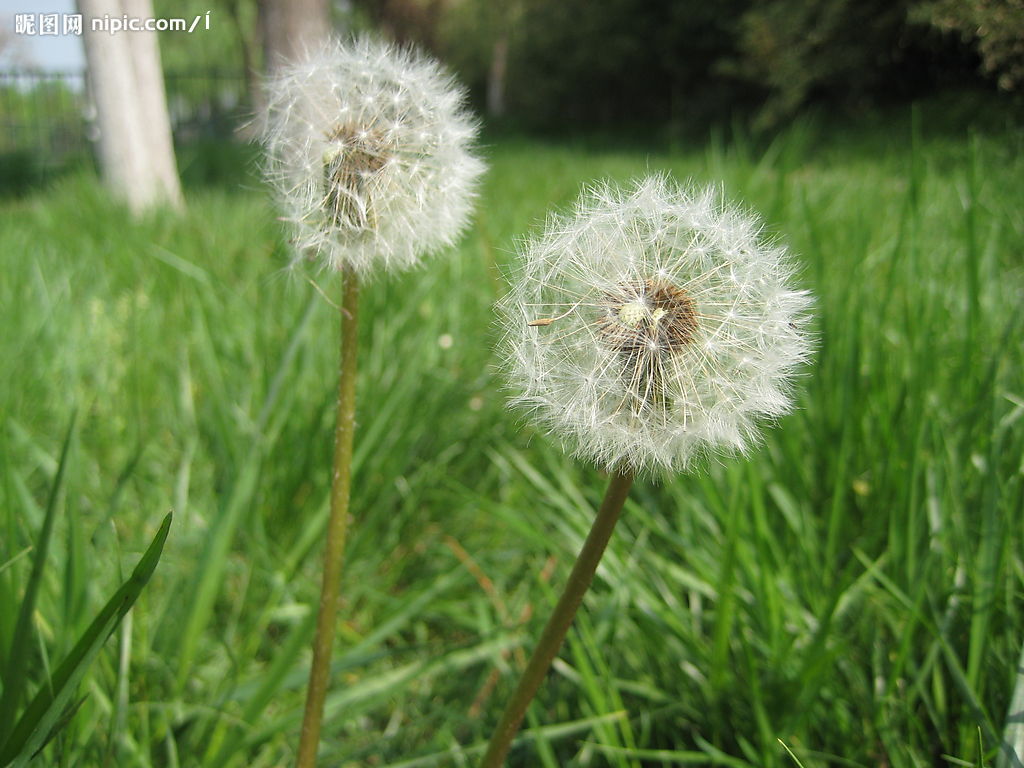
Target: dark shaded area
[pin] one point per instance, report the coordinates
(628, 73)
(23, 171)
(218, 161)
(575, 64)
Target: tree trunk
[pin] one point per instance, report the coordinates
(496, 77)
(248, 43)
(289, 29)
(152, 102)
(135, 148)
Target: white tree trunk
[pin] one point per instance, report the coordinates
(136, 152)
(156, 123)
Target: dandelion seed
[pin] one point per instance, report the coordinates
(647, 327)
(369, 152)
(653, 325)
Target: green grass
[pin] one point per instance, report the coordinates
(851, 592)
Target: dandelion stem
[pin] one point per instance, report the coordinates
(337, 527)
(558, 625)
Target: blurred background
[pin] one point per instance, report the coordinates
(665, 70)
(849, 594)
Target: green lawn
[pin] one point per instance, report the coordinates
(852, 591)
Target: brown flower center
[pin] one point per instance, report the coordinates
(653, 316)
(646, 323)
(352, 158)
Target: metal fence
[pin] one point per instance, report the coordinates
(42, 113)
(49, 115)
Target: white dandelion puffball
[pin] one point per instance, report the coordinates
(369, 151)
(654, 325)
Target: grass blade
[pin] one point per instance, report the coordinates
(42, 715)
(16, 664)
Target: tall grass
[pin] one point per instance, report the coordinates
(851, 593)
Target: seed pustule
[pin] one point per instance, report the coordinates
(645, 324)
(351, 159)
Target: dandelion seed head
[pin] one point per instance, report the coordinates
(369, 150)
(654, 325)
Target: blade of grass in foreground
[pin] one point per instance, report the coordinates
(38, 721)
(14, 674)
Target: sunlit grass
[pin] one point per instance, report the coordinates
(853, 589)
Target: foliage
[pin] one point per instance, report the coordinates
(23, 736)
(218, 48)
(43, 112)
(852, 589)
(577, 61)
(573, 62)
(842, 48)
(210, 74)
(995, 27)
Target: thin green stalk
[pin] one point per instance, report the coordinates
(1011, 750)
(558, 625)
(337, 526)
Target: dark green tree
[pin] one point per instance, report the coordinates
(994, 28)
